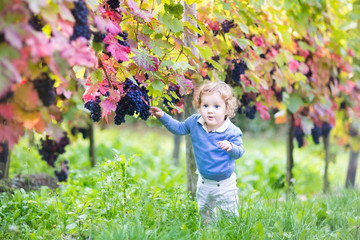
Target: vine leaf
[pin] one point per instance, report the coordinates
(6, 111)
(146, 16)
(107, 106)
(293, 102)
(78, 53)
(171, 22)
(145, 60)
(119, 52)
(184, 84)
(263, 110)
(113, 28)
(11, 133)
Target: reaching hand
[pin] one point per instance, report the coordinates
(157, 112)
(225, 145)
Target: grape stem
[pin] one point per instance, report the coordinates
(107, 76)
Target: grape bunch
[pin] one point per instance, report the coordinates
(239, 68)
(215, 58)
(172, 90)
(299, 136)
(63, 174)
(44, 86)
(227, 25)
(113, 4)
(84, 131)
(50, 149)
(81, 28)
(35, 22)
(325, 129)
(124, 36)
(246, 107)
(98, 37)
(95, 110)
(135, 101)
(316, 133)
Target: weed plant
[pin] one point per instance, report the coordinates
(143, 196)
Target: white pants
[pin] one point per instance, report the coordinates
(213, 194)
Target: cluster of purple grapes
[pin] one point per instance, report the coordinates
(44, 86)
(135, 101)
(174, 100)
(84, 131)
(63, 174)
(81, 28)
(246, 107)
(215, 58)
(316, 133)
(227, 25)
(50, 149)
(299, 136)
(239, 68)
(95, 110)
(98, 37)
(35, 22)
(113, 4)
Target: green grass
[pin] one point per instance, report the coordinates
(136, 192)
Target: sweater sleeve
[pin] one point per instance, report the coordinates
(174, 126)
(237, 145)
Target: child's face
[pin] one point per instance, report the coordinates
(213, 110)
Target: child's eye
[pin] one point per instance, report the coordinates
(205, 105)
(216, 106)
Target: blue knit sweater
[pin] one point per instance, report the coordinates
(212, 162)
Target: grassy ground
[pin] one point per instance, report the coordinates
(136, 192)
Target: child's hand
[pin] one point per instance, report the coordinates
(157, 112)
(225, 145)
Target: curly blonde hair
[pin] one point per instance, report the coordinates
(225, 92)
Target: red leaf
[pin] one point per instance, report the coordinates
(39, 45)
(6, 111)
(184, 84)
(138, 12)
(79, 53)
(113, 28)
(11, 133)
(293, 65)
(118, 51)
(263, 110)
(108, 106)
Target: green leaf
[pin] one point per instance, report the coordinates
(171, 22)
(71, 226)
(284, 35)
(175, 9)
(96, 76)
(7, 51)
(205, 51)
(192, 27)
(146, 30)
(293, 102)
(181, 65)
(158, 85)
(188, 51)
(215, 64)
(305, 46)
